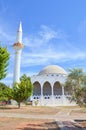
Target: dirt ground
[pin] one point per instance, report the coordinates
(80, 112)
(81, 124)
(26, 124)
(9, 123)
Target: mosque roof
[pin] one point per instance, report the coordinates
(52, 69)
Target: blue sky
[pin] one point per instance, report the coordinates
(54, 32)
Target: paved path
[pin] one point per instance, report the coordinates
(66, 122)
(26, 116)
(64, 115)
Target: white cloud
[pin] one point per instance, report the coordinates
(49, 46)
(47, 33)
(43, 37)
(50, 57)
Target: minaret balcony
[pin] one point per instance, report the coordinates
(18, 45)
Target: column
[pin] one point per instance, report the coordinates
(62, 90)
(63, 96)
(52, 96)
(41, 102)
(41, 89)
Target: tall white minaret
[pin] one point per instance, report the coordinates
(18, 46)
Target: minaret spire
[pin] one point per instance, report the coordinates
(19, 33)
(20, 27)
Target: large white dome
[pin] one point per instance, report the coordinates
(52, 69)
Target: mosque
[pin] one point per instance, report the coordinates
(49, 89)
(48, 83)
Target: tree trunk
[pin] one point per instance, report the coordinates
(19, 105)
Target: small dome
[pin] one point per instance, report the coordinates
(52, 69)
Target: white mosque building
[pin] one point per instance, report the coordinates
(48, 87)
(48, 83)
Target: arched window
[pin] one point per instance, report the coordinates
(46, 88)
(37, 88)
(57, 89)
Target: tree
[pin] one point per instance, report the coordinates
(22, 90)
(4, 57)
(80, 96)
(76, 81)
(5, 92)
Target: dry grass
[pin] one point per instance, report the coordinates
(31, 110)
(26, 124)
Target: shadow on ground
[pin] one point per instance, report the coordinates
(38, 126)
(69, 125)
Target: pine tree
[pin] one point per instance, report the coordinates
(4, 58)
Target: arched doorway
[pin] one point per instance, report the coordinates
(47, 88)
(37, 88)
(57, 89)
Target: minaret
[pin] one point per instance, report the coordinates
(18, 46)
